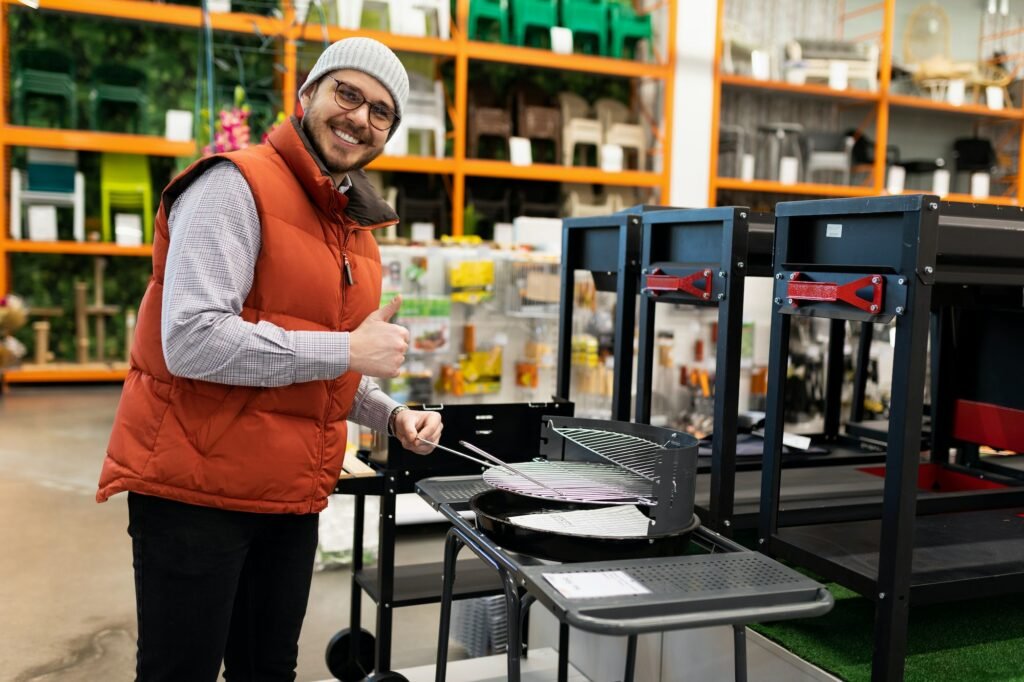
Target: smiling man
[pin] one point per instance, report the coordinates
(256, 341)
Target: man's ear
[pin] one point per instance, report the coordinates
(307, 97)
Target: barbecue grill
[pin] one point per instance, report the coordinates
(563, 507)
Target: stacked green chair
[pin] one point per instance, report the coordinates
(627, 27)
(529, 15)
(121, 85)
(125, 186)
(490, 11)
(587, 19)
(45, 73)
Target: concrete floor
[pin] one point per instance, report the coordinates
(66, 583)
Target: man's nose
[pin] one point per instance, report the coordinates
(360, 115)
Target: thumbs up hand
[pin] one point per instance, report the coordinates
(377, 348)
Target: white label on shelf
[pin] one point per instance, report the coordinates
(128, 229)
(956, 91)
(218, 5)
(760, 65)
(994, 97)
(834, 231)
(561, 40)
(592, 584)
(940, 182)
(897, 180)
(178, 125)
(980, 185)
(611, 158)
(504, 234)
(838, 75)
(789, 170)
(519, 151)
(42, 223)
(422, 232)
(747, 168)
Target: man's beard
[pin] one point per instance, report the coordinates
(335, 168)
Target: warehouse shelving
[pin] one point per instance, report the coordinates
(290, 33)
(884, 101)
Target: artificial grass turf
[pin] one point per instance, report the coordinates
(967, 641)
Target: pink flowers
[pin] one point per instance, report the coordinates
(232, 131)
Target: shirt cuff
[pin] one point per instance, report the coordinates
(375, 409)
(320, 356)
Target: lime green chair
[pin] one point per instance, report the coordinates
(125, 186)
(588, 20)
(627, 28)
(491, 12)
(529, 15)
(44, 73)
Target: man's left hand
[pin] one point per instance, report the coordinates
(412, 425)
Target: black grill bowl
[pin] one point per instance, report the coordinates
(494, 507)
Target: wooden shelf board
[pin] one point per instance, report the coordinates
(65, 372)
(909, 102)
(808, 90)
(812, 189)
(487, 168)
(991, 201)
(169, 14)
(313, 32)
(531, 56)
(413, 164)
(76, 248)
(93, 141)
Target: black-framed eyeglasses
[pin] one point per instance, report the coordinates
(351, 98)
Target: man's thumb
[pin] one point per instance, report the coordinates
(386, 312)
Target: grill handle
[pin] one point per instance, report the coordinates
(798, 290)
(659, 283)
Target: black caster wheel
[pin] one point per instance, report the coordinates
(387, 676)
(339, 656)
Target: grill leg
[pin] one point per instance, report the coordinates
(739, 643)
(452, 545)
(630, 658)
(563, 652)
(356, 600)
(515, 634)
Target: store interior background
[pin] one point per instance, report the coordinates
(70, 578)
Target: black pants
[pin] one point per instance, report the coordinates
(214, 585)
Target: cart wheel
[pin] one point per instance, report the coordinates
(339, 656)
(388, 676)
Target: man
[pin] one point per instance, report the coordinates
(254, 342)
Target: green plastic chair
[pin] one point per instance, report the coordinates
(122, 85)
(533, 14)
(587, 18)
(125, 185)
(627, 28)
(44, 73)
(491, 12)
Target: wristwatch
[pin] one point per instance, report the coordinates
(391, 418)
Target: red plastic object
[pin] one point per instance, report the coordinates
(660, 283)
(802, 290)
(988, 424)
(936, 478)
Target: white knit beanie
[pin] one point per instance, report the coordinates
(372, 58)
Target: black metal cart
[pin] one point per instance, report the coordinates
(726, 585)
(510, 431)
(902, 257)
(702, 257)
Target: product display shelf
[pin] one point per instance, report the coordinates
(286, 28)
(884, 101)
(805, 89)
(808, 188)
(966, 109)
(64, 375)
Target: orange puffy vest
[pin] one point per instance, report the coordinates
(273, 450)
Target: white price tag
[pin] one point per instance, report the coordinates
(519, 151)
(956, 91)
(838, 75)
(561, 40)
(897, 180)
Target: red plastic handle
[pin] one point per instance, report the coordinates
(659, 283)
(803, 290)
